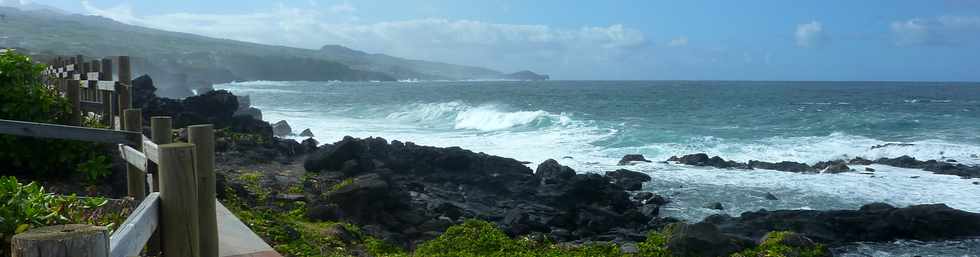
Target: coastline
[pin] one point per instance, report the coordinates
(838, 245)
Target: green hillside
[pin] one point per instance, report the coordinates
(180, 62)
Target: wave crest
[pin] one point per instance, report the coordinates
(486, 117)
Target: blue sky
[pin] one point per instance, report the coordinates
(935, 40)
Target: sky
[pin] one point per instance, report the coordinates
(919, 40)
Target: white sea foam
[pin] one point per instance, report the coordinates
(254, 83)
(486, 117)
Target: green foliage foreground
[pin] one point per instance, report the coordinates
(27, 206)
(24, 97)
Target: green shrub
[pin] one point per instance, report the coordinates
(476, 238)
(24, 97)
(655, 245)
(23, 207)
(95, 169)
(773, 246)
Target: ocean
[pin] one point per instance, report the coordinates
(590, 125)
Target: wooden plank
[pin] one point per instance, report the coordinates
(87, 106)
(202, 136)
(178, 201)
(151, 151)
(106, 99)
(106, 85)
(135, 175)
(106, 70)
(133, 157)
(133, 233)
(42, 130)
(74, 97)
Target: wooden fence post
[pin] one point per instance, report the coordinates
(75, 98)
(96, 67)
(73, 240)
(135, 178)
(178, 195)
(125, 92)
(107, 111)
(160, 134)
(202, 136)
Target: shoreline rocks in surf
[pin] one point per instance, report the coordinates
(875, 222)
(418, 191)
(836, 166)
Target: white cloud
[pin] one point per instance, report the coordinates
(503, 46)
(342, 8)
(680, 41)
(810, 34)
(943, 30)
(122, 13)
(25, 2)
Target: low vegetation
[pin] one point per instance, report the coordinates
(27, 206)
(283, 225)
(25, 97)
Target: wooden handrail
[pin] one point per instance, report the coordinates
(133, 233)
(133, 157)
(54, 131)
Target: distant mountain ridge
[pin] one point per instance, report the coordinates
(182, 62)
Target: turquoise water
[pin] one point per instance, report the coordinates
(590, 125)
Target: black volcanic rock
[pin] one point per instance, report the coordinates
(630, 158)
(306, 133)
(877, 222)
(427, 184)
(938, 167)
(550, 172)
(630, 180)
(281, 129)
(701, 159)
(836, 166)
(703, 239)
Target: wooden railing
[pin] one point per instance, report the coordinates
(178, 176)
(93, 86)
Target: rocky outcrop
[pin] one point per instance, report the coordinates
(281, 129)
(630, 158)
(703, 239)
(551, 172)
(877, 222)
(939, 167)
(630, 180)
(245, 108)
(306, 133)
(417, 191)
(837, 166)
(890, 145)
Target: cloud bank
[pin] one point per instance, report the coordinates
(940, 31)
(507, 47)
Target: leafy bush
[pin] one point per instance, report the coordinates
(23, 207)
(95, 169)
(287, 230)
(774, 245)
(476, 238)
(24, 97)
